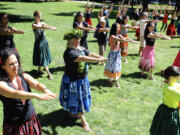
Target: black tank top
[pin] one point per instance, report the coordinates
(150, 41)
(6, 41)
(15, 112)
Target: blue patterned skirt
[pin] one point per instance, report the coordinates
(113, 65)
(75, 95)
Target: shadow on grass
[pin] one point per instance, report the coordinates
(131, 55)
(175, 46)
(101, 83)
(57, 118)
(19, 18)
(158, 74)
(133, 75)
(57, 69)
(2, 7)
(34, 73)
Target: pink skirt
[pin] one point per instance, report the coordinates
(177, 60)
(147, 59)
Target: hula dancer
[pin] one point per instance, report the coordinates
(143, 22)
(156, 16)
(84, 26)
(171, 30)
(148, 56)
(113, 64)
(19, 115)
(88, 11)
(41, 53)
(75, 95)
(165, 19)
(118, 15)
(102, 37)
(100, 16)
(107, 13)
(6, 33)
(124, 31)
(166, 119)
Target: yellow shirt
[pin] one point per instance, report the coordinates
(171, 95)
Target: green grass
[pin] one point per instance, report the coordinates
(128, 111)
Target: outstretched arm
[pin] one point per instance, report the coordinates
(123, 39)
(37, 85)
(43, 26)
(130, 27)
(104, 30)
(48, 26)
(89, 59)
(157, 35)
(9, 92)
(83, 28)
(11, 31)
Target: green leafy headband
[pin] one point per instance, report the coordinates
(74, 34)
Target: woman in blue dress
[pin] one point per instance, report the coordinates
(75, 95)
(41, 54)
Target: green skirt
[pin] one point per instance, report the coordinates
(41, 54)
(166, 121)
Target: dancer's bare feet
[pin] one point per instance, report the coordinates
(117, 84)
(50, 77)
(86, 127)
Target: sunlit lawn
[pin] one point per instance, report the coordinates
(128, 111)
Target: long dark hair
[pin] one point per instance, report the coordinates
(4, 55)
(77, 15)
(113, 30)
(124, 18)
(170, 71)
(119, 20)
(146, 32)
(1, 17)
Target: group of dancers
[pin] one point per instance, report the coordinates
(75, 94)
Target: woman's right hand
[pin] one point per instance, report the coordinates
(44, 97)
(102, 59)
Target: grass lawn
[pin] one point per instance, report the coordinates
(128, 111)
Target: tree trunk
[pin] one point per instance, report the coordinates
(145, 5)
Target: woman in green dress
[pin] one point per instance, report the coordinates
(41, 54)
(166, 120)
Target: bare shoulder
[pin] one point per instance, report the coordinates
(3, 84)
(26, 76)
